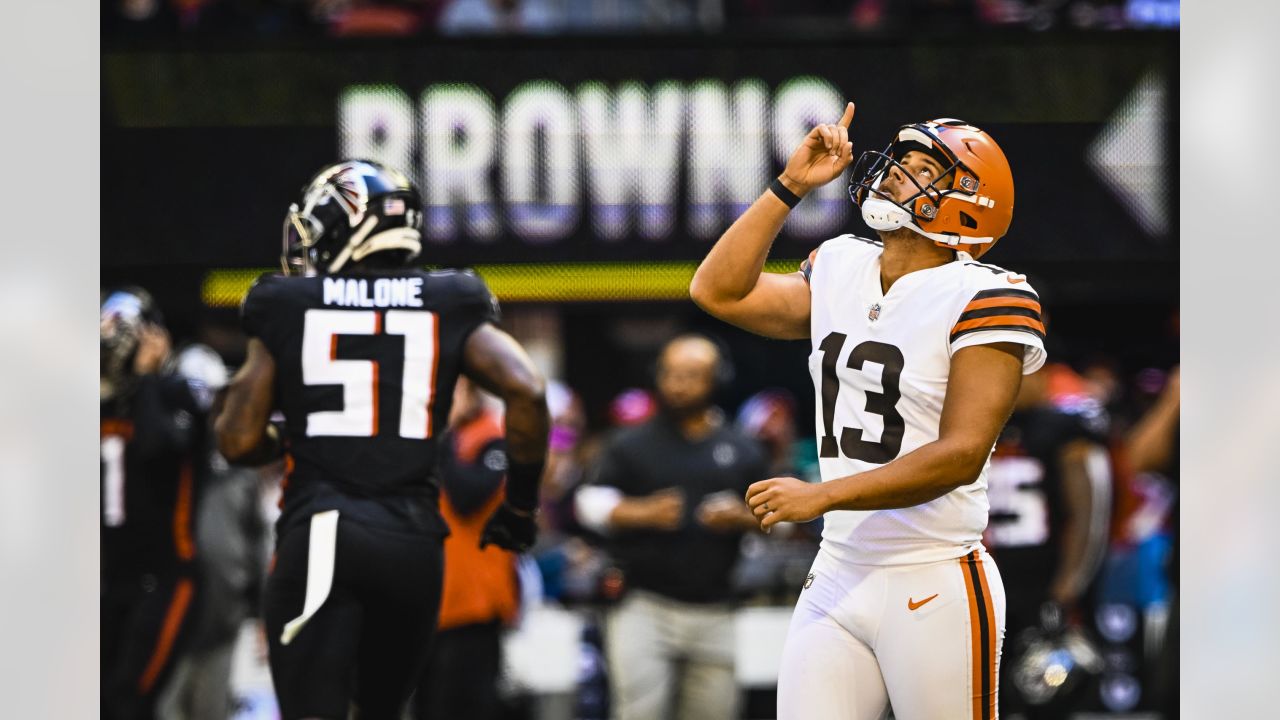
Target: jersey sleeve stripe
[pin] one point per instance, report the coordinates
(1000, 324)
(1003, 302)
(997, 312)
(1006, 292)
(999, 320)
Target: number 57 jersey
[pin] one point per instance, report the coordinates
(365, 370)
(880, 364)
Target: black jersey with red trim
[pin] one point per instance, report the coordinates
(1024, 487)
(365, 370)
(154, 454)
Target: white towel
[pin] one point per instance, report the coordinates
(320, 556)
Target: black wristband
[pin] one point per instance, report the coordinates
(785, 195)
(522, 485)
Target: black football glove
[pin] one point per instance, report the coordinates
(510, 529)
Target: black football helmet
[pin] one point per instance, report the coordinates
(348, 212)
(122, 315)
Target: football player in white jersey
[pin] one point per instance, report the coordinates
(918, 353)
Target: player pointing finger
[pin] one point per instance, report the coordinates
(822, 156)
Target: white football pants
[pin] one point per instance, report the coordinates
(924, 639)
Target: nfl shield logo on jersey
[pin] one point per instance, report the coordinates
(874, 313)
(808, 581)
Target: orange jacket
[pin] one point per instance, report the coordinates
(479, 585)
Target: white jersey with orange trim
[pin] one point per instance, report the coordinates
(880, 365)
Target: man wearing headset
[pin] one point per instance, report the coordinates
(918, 353)
(668, 496)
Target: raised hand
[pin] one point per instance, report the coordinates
(822, 156)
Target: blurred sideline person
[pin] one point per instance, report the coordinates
(231, 539)
(361, 353)
(481, 596)
(153, 453)
(769, 417)
(1152, 445)
(667, 496)
(774, 566)
(918, 352)
(1049, 486)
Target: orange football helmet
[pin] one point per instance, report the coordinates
(970, 205)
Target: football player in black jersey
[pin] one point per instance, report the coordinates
(153, 446)
(1050, 493)
(361, 351)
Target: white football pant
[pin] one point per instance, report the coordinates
(924, 639)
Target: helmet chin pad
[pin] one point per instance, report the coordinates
(882, 215)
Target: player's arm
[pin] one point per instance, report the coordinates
(731, 284)
(604, 509)
(1086, 493)
(497, 363)
(607, 503)
(981, 390)
(245, 436)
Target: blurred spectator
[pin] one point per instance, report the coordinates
(682, 14)
(769, 417)
(669, 496)
(159, 18)
(1050, 491)
(376, 17)
(480, 596)
(775, 565)
(465, 17)
(154, 456)
(1152, 442)
(632, 406)
(1153, 446)
(232, 542)
(568, 421)
(139, 18)
(570, 567)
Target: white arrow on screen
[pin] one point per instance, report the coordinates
(1128, 155)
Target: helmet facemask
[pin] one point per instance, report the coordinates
(121, 319)
(300, 232)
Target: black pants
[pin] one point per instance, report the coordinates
(146, 621)
(366, 645)
(461, 676)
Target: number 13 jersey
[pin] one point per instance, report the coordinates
(880, 365)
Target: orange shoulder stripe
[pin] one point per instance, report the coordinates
(999, 320)
(1020, 302)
